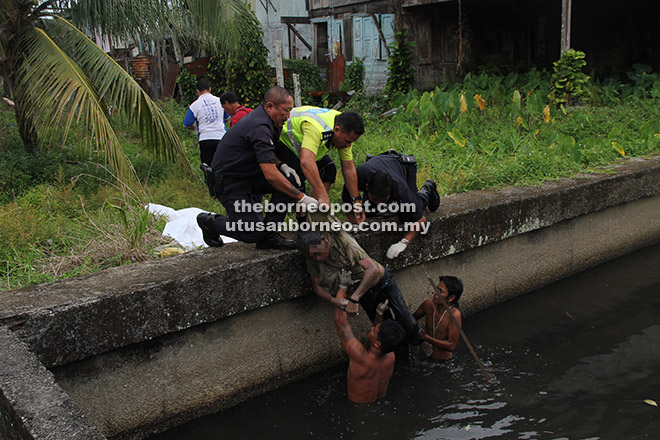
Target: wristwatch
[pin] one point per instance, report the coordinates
(356, 198)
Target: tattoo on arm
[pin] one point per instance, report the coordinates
(358, 349)
(345, 332)
(294, 190)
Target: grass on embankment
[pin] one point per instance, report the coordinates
(62, 214)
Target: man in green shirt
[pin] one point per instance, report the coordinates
(308, 135)
(330, 252)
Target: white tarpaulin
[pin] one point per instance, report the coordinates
(182, 226)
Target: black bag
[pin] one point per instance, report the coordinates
(209, 178)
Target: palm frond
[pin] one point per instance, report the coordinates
(57, 93)
(122, 18)
(217, 24)
(221, 24)
(118, 90)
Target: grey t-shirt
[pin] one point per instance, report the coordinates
(345, 253)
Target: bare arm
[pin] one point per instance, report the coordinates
(452, 336)
(279, 182)
(413, 234)
(311, 172)
(350, 177)
(351, 180)
(420, 311)
(352, 346)
(323, 293)
(372, 273)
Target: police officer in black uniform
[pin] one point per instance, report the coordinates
(244, 169)
(391, 178)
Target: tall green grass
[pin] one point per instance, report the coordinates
(63, 214)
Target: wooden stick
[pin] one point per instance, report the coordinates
(463, 335)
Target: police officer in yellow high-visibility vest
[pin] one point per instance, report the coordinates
(308, 135)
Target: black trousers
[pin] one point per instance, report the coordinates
(387, 288)
(207, 150)
(326, 166)
(242, 199)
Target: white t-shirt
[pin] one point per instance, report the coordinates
(209, 115)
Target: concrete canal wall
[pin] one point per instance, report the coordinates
(137, 349)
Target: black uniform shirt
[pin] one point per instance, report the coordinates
(246, 145)
(404, 186)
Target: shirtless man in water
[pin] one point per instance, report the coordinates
(369, 368)
(440, 333)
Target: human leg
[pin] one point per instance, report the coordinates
(327, 169)
(390, 290)
(207, 150)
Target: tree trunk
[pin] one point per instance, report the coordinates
(26, 128)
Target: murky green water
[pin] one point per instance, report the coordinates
(574, 360)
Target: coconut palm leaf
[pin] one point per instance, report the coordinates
(57, 93)
(221, 24)
(116, 89)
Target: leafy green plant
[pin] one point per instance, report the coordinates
(246, 72)
(45, 54)
(134, 224)
(57, 218)
(569, 81)
(400, 73)
(355, 75)
(310, 79)
(188, 83)
(644, 83)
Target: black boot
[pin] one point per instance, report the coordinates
(274, 240)
(207, 225)
(430, 189)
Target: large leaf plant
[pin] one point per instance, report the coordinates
(59, 78)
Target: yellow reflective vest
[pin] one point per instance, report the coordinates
(321, 118)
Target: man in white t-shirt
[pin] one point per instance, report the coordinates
(210, 117)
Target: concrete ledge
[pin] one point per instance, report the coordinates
(32, 406)
(143, 347)
(69, 320)
(146, 388)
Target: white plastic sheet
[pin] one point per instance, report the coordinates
(182, 226)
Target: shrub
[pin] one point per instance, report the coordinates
(246, 73)
(310, 79)
(355, 75)
(400, 73)
(188, 83)
(569, 81)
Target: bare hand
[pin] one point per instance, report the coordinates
(324, 200)
(340, 303)
(353, 308)
(359, 213)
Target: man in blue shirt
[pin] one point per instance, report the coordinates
(391, 178)
(210, 117)
(245, 168)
